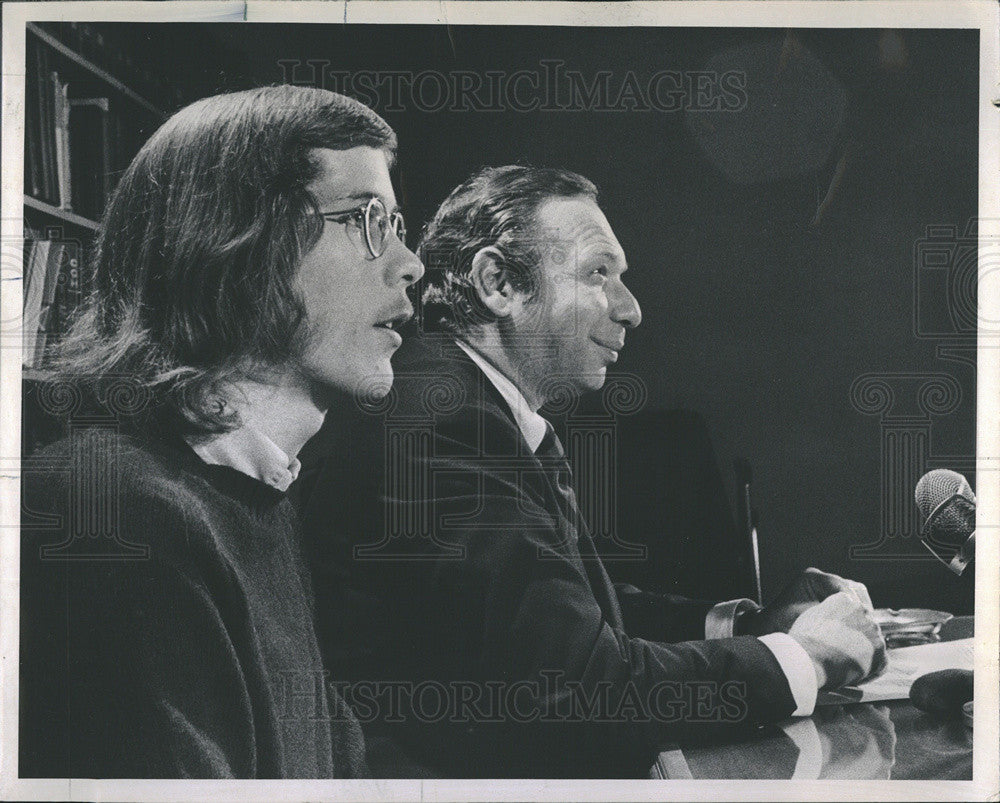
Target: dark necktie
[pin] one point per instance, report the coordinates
(553, 458)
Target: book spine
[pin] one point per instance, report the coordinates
(46, 128)
(61, 123)
(69, 289)
(49, 322)
(42, 338)
(32, 131)
(34, 289)
(107, 168)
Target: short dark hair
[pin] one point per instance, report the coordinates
(495, 207)
(194, 264)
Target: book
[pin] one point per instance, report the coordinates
(46, 127)
(54, 288)
(60, 122)
(34, 288)
(33, 181)
(70, 289)
(49, 321)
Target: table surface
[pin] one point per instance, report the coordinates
(860, 741)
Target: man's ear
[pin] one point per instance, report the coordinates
(493, 285)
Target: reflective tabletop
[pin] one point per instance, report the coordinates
(858, 741)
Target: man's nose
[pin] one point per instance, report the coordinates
(625, 309)
(402, 264)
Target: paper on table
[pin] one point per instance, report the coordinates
(906, 664)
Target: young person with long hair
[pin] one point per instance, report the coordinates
(250, 265)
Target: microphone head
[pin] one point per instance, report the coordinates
(938, 486)
(948, 510)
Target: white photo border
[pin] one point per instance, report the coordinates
(983, 15)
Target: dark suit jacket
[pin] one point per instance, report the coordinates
(459, 566)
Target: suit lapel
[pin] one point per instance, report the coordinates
(581, 547)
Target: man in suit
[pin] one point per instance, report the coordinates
(478, 582)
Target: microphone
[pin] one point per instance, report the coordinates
(948, 507)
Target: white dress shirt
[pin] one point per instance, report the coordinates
(790, 655)
(250, 452)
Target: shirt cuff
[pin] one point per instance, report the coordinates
(798, 668)
(721, 619)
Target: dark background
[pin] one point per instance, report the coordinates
(757, 315)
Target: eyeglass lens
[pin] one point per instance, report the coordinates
(380, 223)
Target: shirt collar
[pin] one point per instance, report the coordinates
(250, 451)
(531, 424)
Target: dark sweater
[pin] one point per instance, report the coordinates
(197, 660)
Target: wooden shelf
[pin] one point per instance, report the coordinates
(92, 68)
(62, 214)
(35, 374)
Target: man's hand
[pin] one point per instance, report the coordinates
(808, 589)
(842, 639)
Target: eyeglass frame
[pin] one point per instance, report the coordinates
(397, 225)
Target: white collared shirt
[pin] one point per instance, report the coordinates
(251, 452)
(531, 424)
(791, 656)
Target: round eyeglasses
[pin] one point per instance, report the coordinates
(375, 222)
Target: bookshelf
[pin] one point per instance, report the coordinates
(87, 112)
(51, 41)
(83, 124)
(63, 215)
(35, 374)
(94, 93)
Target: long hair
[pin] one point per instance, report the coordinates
(495, 207)
(194, 264)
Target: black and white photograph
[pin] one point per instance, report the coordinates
(501, 401)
